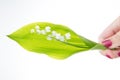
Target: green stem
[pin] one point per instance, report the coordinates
(98, 46)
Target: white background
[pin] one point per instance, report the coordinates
(86, 17)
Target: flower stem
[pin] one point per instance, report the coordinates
(98, 47)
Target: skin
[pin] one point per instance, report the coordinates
(111, 33)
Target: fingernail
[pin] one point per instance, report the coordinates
(107, 43)
(119, 54)
(108, 56)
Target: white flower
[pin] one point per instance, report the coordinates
(49, 37)
(47, 29)
(54, 33)
(37, 27)
(38, 31)
(57, 36)
(43, 32)
(67, 35)
(62, 38)
(32, 31)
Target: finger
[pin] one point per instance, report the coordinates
(111, 53)
(110, 30)
(112, 42)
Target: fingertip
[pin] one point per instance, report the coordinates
(112, 54)
(108, 56)
(107, 43)
(107, 53)
(118, 54)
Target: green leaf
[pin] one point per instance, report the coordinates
(54, 40)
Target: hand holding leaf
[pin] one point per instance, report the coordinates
(57, 41)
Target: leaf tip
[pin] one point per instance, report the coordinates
(9, 36)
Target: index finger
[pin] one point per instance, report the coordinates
(111, 30)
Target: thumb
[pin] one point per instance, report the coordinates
(113, 41)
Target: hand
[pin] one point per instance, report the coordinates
(110, 38)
